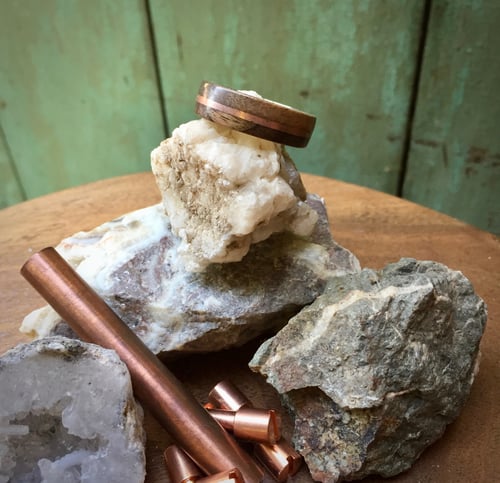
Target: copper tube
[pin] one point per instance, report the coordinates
(225, 395)
(280, 458)
(229, 476)
(189, 424)
(250, 424)
(181, 468)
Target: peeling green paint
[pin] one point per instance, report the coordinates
(459, 108)
(80, 100)
(80, 92)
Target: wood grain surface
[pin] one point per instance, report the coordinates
(378, 228)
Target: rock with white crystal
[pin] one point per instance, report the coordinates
(224, 190)
(133, 263)
(67, 414)
(376, 367)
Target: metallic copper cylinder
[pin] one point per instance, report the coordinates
(180, 467)
(250, 424)
(226, 395)
(229, 476)
(189, 424)
(279, 458)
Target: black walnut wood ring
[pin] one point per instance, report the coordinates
(253, 115)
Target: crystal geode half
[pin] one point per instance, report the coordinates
(67, 414)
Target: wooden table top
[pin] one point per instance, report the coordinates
(376, 227)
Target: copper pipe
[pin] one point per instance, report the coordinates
(229, 476)
(189, 424)
(279, 458)
(250, 424)
(180, 467)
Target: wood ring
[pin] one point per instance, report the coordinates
(253, 115)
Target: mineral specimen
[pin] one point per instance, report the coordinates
(376, 367)
(133, 264)
(224, 190)
(67, 414)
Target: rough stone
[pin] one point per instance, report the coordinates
(224, 190)
(376, 368)
(67, 414)
(133, 263)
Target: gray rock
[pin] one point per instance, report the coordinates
(133, 264)
(67, 414)
(376, 367)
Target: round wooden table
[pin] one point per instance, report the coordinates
(376, 227)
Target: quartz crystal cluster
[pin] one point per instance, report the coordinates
(67, 414)
(376, 367)
(224, 190)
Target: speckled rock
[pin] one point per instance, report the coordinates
(133, 264)
(67, 414)
(225, 190)
(376, 367)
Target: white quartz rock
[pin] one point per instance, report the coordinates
(133, 264)
(67, 414)
(224, 190)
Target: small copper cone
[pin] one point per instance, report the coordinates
(250, 424)
(226, 395)
(280, 459)
(230, 476)
(181, 468)
(189, 424)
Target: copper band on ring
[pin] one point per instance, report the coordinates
(247, 116)
(254, 115)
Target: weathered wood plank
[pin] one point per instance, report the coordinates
(10, 190)
(79, 90)
(349, 63)
(454, 161)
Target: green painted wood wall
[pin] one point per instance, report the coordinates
(406, 92)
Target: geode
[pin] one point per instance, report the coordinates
(376, 368)
(67, 414)
(133, 263)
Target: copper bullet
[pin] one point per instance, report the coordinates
(225, 395)
(189, 424)
(229, 476)
(280, 458)
(250, 424)
(180, 467)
